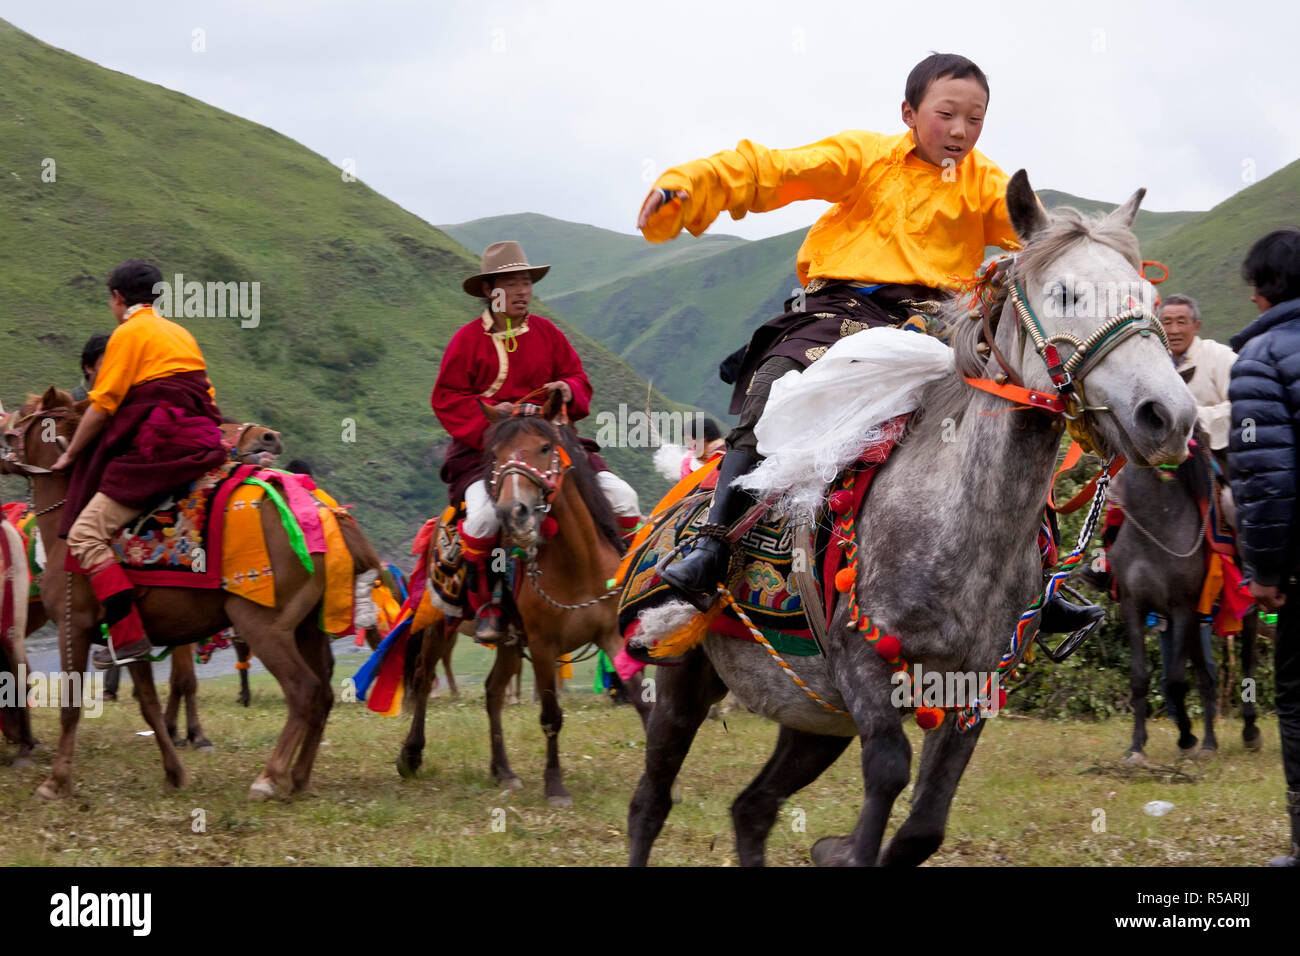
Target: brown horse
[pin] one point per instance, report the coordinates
(251, 444)
(563, 600)
(287, 637)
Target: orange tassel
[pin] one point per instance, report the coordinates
(844, 579)
(688, 636)
(927, 718)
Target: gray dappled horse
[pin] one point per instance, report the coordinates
(948, 558)
(1158, 559)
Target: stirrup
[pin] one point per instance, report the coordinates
(1074, 640)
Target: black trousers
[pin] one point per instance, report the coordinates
(742, 436)
(1287, 670)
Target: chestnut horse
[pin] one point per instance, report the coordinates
(252, 444)
(540, 475)
(287, 637)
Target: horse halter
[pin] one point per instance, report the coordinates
(547, 481)
(14, 453)
(1087, 353)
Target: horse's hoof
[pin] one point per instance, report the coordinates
(179, 742)
(1255, 743)
(1136, 758)
(830, 851)
(408, 764)
(559, 800)
(21, 763)
(261, 790)
(1188, 746)
(1207, 750)
(510, 783)
(204, 746)
(50, 790)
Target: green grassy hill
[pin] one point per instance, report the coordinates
(358, 296)
(1205, 254)
(584, 257)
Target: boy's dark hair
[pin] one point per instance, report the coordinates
(93, 349)
(711, 430)
(1273, 266)
(300, 467)
(937, 66)
(135, 279)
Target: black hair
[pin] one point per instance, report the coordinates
(93, 349)
(300, 467)
(135, 279)
(602, 514)
(937, 66)
(1273, 266)
(711, 430)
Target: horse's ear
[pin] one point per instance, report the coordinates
(1128, 212)
(553, 405)
(494, 413)
(1026, 212)
(51, 399)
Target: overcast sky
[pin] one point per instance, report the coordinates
(462, 110)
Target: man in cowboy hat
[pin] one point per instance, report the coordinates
(506, 354)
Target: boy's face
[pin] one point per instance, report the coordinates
(948, 121)
(511, 294)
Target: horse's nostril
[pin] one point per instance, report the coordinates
(1154, 417)
(519, 512)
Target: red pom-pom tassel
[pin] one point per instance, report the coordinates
(844, 579)
(550, 527)
(840, 501)
(1002, 698)
(928, 718)
(888, 647)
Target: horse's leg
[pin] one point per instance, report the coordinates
(1139, 680)
(74, 649)
(546, 676)
(175, 691)
(1205, 680)
(314, 645)
(683, 696)
(1182, 627)
(242, 654)
(1249, 648)
(151, 710)
(410, 756)
(449, 645)
(507, 665)
(611, 643)
(273, 642)
(799, 759)
(944, 756)
(184, 681)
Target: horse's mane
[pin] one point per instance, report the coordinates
(1194, 474)
(581, 474)
(1066, 228)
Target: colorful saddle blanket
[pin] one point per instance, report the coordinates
(766, 586)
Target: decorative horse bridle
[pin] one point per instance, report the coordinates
(548, 482)
(13, 450)
(1070, 400)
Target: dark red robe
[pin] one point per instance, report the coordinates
(476, 366)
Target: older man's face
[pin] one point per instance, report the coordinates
(1180, 327)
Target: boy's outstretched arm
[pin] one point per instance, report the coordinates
(753, 178)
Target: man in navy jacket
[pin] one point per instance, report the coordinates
(1265, 394)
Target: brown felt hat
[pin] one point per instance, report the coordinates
(499, 259)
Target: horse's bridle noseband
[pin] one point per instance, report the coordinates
(547, 481)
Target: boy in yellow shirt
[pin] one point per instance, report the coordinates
(153, 404)
(914, 213)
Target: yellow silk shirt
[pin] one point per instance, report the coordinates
(896, 218)
(144, 347)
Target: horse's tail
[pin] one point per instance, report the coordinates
(366, 569)
(364, 556)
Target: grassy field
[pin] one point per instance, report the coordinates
(1030, 797)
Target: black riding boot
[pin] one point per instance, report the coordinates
(696, 576)
(1293, 810)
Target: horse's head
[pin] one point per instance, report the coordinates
(36, 434)
(528, 460)
(252, 444)
(1079, 295)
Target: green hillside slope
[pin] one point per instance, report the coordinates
(1205, 254)
(1148, 227)
(584, 257)
(358, 297)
